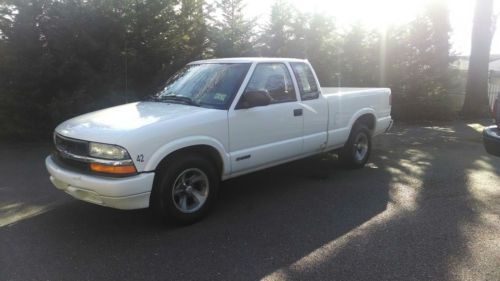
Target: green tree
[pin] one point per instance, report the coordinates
(23, 59)
(62, 58)
(277, 33)
(233, 34)
(316, 35)
(418, 66)
(191, 33)
(291, 33)
(359, 60)
(150, 43)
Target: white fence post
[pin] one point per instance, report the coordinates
(493, 90)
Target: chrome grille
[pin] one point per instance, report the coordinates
(68, 146)
(73, 146)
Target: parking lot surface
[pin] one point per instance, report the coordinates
(426, 207)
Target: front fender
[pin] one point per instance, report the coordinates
(173, 146)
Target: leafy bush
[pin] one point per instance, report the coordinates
(61, 58)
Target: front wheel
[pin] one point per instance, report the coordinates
(357, 149)
(186, 189)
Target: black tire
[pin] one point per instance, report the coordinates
(163, 201)
(350, 154)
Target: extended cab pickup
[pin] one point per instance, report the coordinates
(214, 120)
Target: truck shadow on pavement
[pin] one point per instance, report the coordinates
(442, 221)
(411, 214)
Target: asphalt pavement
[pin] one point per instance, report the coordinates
(426, 207)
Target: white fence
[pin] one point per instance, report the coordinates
(493, 90)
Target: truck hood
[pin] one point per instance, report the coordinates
(108, 125)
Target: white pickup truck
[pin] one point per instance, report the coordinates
(214, 120)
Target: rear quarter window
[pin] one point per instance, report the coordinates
(305, 79)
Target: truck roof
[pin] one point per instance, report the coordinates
(248, 60)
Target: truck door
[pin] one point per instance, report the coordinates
(315, 108)
(264, 135)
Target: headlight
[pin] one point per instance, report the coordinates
(107, 151)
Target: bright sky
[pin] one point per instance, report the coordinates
(380, 13)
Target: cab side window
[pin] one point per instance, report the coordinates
(274, 79)
(305, 78)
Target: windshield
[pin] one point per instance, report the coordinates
(211, 85)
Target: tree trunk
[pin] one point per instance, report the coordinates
(476, 92)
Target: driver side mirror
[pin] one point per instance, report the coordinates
(253, 99)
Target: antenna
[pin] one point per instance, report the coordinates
(126, 72)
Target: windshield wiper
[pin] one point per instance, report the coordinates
(182, 99)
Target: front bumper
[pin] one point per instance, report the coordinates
(491, 140)
(121, 193)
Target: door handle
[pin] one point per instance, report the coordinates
(297, 112)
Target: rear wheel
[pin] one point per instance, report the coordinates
(357, 149)
(186, 189)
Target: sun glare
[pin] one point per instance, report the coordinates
(381, 14)
(376, 14)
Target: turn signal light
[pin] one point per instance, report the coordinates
(117, 170)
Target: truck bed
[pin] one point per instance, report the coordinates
(327, 91)
(347, 104)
